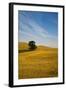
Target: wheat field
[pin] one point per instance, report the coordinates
(39, 63)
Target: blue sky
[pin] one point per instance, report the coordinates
(41, 27)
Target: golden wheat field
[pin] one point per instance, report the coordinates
(39, 63)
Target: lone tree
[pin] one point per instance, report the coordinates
(32, 45)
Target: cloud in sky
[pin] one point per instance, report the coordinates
(40, 27)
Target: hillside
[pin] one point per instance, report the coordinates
(39, 63)
(24, 46)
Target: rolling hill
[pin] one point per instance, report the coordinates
(39, 63)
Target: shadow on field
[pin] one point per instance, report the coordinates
(21, 51)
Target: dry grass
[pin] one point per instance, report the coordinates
(40, 63)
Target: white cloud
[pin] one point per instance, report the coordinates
(31, 30)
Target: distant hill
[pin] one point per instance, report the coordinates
(25, 46)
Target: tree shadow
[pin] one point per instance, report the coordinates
(27, 50)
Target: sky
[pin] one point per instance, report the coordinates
(41, 27)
